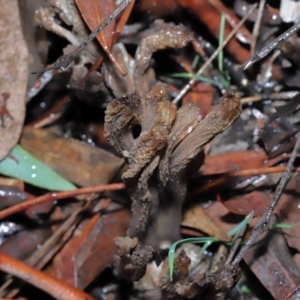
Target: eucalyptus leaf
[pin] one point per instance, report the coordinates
(22, 165)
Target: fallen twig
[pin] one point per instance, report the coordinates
(264, 51)
(56, 288)
(58, 196)
(264, 221)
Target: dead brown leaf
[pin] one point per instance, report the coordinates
(196, 218)
(76, 161)
(272, 263)
(87, 254)
(13, 76)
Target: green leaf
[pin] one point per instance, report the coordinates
(22, 165)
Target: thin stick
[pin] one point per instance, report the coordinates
(235, 246)
(65, 61)
(275, 96)
(264, 51)
(256, 27)
(53, 286)
(39, 85)
(291, 293)
(264, 221)
(57, 196)
(214, 55)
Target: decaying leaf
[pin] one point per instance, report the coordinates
(284, 110)
(195, 217)
(93, 248)
(271, 261)
(13, 76)
(76, 161)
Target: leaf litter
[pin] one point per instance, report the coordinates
(193, 161)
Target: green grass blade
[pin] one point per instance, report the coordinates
(283, 225)
(206, 245)
(172, 249)
(224, 79)
(221, 40)
(238, 228)
(195, 61)
(22, 165)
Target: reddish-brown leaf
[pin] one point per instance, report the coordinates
(158, 7)
(256, 201)
(272, 263)
(86, 255)
(243, 33)
(94, 12)
(211, 18)
(234, 161)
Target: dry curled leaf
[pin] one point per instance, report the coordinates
(195, 217)
(13, 76)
